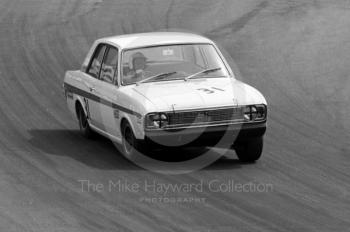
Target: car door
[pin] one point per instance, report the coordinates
(106, 90)
(93, 73)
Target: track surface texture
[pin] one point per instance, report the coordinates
(297, 53)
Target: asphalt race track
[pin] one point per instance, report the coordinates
(297, 53)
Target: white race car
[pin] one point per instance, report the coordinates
(166, 89)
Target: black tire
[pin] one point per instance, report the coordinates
(130, 146)
(84, 126)
(249, 151)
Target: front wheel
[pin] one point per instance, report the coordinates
(130, 145)
(249, 151)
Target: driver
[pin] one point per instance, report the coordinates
(137, 66)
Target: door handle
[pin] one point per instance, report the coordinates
(90, 87)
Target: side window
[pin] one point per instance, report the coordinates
(95, 64)
(109, 66)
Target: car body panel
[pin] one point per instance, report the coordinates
(199, 93)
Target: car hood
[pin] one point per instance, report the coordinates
(199, 93)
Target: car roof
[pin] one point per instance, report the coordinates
(153, 39)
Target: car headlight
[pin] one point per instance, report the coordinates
(156, 120)
(255, 112)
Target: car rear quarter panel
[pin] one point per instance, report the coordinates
(75, 78)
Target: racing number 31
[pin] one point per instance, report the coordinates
(211, 90)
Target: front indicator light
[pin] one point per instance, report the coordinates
(261, 112)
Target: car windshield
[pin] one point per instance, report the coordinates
(176, 61)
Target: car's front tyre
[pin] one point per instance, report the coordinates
(130, 145)
(249, 151)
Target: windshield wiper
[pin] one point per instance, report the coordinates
(206, 71)
(155, 76)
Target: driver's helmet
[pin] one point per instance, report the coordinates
(138, 56)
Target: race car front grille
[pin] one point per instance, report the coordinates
(201, 117)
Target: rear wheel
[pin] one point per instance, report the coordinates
(84, 123)
(249, 151)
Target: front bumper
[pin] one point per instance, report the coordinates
(218, 135)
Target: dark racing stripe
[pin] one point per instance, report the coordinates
(93, 97)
